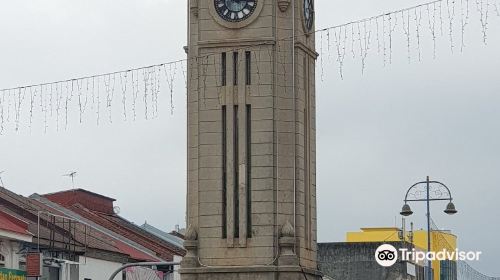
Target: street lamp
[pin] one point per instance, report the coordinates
(428, 191)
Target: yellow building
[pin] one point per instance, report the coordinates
(440, 240)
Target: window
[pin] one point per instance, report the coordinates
(234, 197)
(50, 273)
(223, 69)
(2, 260)
(22, 265)
(448, 270)
(248, 67)
(235, 68)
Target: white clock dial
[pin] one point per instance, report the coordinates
(308, 14)
(235, 10)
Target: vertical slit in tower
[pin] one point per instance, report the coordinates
(249, 170)
(248, 67)
(236, 192)
(235, 68)
(223, 69)
(224, 172)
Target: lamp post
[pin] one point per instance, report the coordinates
(427, 191)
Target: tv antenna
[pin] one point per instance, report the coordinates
(1, 181)
(72, 174)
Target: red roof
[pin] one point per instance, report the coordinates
(109, 240)
(9, 223)
(14, 208)
(131, 232)
(90, 200)
(99, 209)
(134, 253)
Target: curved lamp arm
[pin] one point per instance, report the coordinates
(143, 264)
(450, 198)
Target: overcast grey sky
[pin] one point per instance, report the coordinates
(378, 133)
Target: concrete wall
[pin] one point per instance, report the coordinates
(176, 275)
(9, 250)
(356, 261)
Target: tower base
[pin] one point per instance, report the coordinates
(250, 273)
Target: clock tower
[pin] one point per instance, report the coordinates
(251, 198)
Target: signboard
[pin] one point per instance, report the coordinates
(11, 274)
(34, 265)
(411, 269)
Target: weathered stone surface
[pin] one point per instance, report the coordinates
(250, 273)
(264, 178)
(356, 261)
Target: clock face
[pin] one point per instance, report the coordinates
(235, 10)
(308, 14)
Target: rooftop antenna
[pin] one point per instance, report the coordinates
(1, 181)
(72, 174)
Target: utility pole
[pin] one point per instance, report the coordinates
(440, 192)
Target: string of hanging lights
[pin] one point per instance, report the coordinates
(464, 270)
(138, 91)
(442, 18)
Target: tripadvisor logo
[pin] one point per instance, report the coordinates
(387, 255)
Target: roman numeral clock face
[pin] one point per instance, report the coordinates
(235, 10)
(308, 14)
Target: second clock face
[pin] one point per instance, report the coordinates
(235, 10)
(308, 14)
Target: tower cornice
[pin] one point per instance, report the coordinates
(245, 42)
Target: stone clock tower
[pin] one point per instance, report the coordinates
(251, 198)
